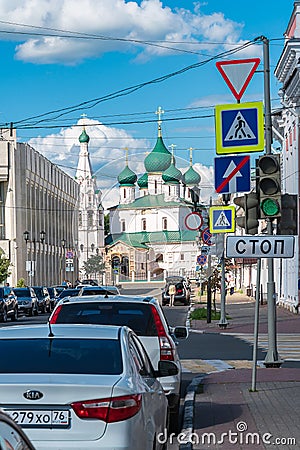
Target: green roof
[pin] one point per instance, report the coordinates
(127, 177)
(153, 201)
(143, 181)
(159, 159)
(191, 177)
(172, 175)
(144, 239)
(84, 137)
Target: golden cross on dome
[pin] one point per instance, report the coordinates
(159, 112)
(191, 155)
(126, 155)
(172, 150)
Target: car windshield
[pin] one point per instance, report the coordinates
(22, 292)
(39, 292)
(55, 355)
(136, 316)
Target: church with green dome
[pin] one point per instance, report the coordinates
(150, 236)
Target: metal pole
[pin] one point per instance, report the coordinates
(256, 323)
(223, 321)
(208, 302)
(272, 359)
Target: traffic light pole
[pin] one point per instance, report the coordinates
(272, 358)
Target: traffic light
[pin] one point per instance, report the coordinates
(250, 204)
(269, 186)
(288, 222)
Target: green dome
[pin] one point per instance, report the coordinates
(191, 177)
(159, 159)
(143, 181)
(172, 175)
(127, 177)
(84, 138)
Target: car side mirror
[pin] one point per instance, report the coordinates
(180, 332)
(166, 369)
(12, 437)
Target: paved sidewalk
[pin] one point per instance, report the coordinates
(228, 416)
(220, 410)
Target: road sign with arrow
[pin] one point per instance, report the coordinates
(232, 174)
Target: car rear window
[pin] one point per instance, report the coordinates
(136, 316)
(55, 355)
(98, 291)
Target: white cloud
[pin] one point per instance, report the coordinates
(148, 21)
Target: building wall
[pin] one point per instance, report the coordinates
(37, 196)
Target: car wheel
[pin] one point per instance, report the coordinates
(14, 316)
(30, 312)
(4, 316)
(36, 311)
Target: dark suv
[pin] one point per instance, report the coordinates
(43, 297)
(8, 304)
(182, 290)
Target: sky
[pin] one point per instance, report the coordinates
(111, 63)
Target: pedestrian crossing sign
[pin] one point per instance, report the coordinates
(239, 128)
(222, 219)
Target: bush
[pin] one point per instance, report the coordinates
(21, 283)
(201, 314)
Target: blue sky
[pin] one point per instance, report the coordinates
(42, 70)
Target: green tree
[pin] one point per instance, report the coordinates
(21, 283)
(94, 266)
(4, 266)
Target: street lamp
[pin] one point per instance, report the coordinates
(63, 244)
(31, 264)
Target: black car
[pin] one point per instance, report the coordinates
(43, 297)
(182, 290)
(8, 304)
(27, 301)
(53, 293)
(72, 292)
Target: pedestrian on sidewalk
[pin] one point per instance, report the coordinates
(172, 292)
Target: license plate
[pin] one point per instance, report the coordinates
(40, 418)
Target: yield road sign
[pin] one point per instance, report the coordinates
(237, 74)
(206, 236)
(193, 221)
(222, 219)
(232, 174)
(239, 128)
(260, 246)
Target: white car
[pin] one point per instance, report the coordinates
(145, 317)
(74, 387)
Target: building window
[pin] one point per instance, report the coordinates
(143, 224)
(164, 223)
(155, 186)
(124, 193)
(80, 219)
(123, 226)
(181, 256)
(169, 190)
(90, 219)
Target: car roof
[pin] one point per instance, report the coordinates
(62, 331)
(118, 298)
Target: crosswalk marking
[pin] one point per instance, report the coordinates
(288, 344)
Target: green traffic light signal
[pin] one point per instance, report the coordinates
(269, 186)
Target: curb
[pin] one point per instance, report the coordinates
(188, 413)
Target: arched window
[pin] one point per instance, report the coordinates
(123, 225)
(124, 193)
(144, 227)
(164, 223)
(90, 218)
(155, 186)
(169, 190)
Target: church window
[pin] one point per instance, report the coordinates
(181, 256)
(155, 186)
(90, 218)
(169, 190)
(124, 193)
(189, 193)
(164, 223)
(123, 225)
(144, 225)
(80, 219)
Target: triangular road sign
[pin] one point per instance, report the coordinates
(238, 73)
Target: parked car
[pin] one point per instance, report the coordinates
(83, 387)
(90, 282)
(182, 294)
(53, 293)
(99, 290)
(27, 301)
(12, 437)
(145, 317)
(72, 292)
(43, 297)
(8, 304)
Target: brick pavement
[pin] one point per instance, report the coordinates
(227, 415)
